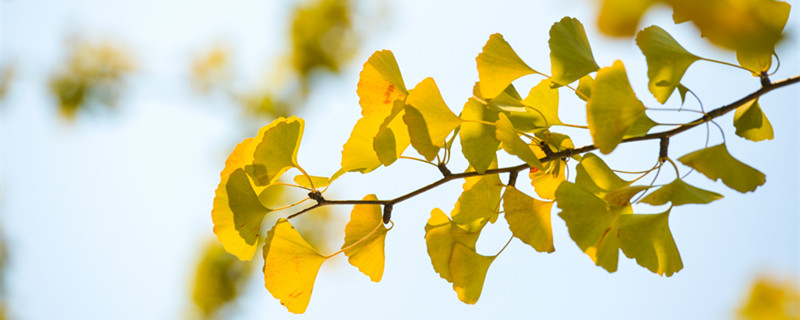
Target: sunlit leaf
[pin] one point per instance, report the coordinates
(529, 219)
(367, 230)
(596, 177)
(680, 193)
(716, 163)
(751, 123)
(646, 238)
(570, 54)
(667, 61)
(478, 141)
(754, 61)
(622, 196)
(319, 182)
(391, 134)
(290, 266)
(545, 182)
(498, 66)
(277, 148)
(620, 18)
(640, 127)
(584, 89)
(544, 99)
(429, 119)
(613, 108)
(479, 202)
(468, 269)
(380, 85)
(513, 144)
(237, 213)
(441, 235)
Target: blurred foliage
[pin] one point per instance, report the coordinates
(6, 75)
(92, 74)
(322, 37)
(212, 70)
(3, 265)
(772, 299)
(219, 280)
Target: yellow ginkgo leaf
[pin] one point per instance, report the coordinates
(751, 123)
(276, 151)
(478, 141)
(513, 144)
(237, 213)
(469, 272)
(441, 235)
(584, 89)
(392, 137)
(640, 127)
(290, 266)
(364, 238)
(622, 196)
(679, 193)
(544, 99)
(667, 61)
(529, 219)
(428, 118)
(596, 177)
(620, 18)
(716, 163)
(380, 85)
(613, 108)
(479, 202)
(570, 54)
(319, 182)
(646, 238)
(545, 182)
(498, 66)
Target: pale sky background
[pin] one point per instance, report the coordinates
(105, 217)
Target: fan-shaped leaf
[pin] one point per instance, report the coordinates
(429, 120)
(498, 66)
(513, 144)
(570, 54)
(469, 272)
(441, 235)
(667, 61)
(364, 238)
(622, 196)
(319, 182)
(478, 141)
(276, 150)
(613, 108)
(584, 89)
(680, 193)
(544, 99)
(751, 123)
(479, 202)
(529, 219)
(646, 238)
(716, 163)
(596, 177)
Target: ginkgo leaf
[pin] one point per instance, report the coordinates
(478, 141)
(584, 89)
(498, 66)
(545, 182)
(716, 163)
(392, 133)
(646, 238)
(428, 118)
(667, 61)
(479, 202)
(513, 144)
(640, 127)
(380, 85)
(682, 90)
(570, 54)
(613, 108)
(680, 193)
(620, 18)
(319, 182)
(364, 238)
(290, 266)
(544, 99)
(596, 177)
(237, 213)
(441, 235)
(751, 123)
(622, 196)
(277, 148)
(468, 269)
(754, 61)
(529, 219)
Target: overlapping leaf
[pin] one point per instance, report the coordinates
(468, 269)
(613, 108)
(751, 123)
(596, 177)
(364, 238)
(479, 202)
(429, 119)
(647, 238)
(478, 141)
(545, 182)
(498, 66)
(544, 100)
(679, 193)
(276, 150)
(716, 163)
(584, 89)
(529, 219)
(622, 196)
(290, 266)
(379, 86)
(318, 182)
(667, 61)
(513, 144)
(570, 54)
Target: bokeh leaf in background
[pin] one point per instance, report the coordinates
(220, 279)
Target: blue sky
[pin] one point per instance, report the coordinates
(105, 217)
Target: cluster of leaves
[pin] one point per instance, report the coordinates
(597, 205)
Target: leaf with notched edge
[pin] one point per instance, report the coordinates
(366, 228)
(570, 54)
(529, 219)
(716, 163)
(428, 118)
(276, 150)
(613, 108)
(498, 66)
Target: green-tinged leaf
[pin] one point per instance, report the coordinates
(751, 123)
(584, 90)
(620, 18)
(290, 266)
(754, 61)
(682, 90)
(646, 238)
(380, 85)
(364, 238)
(513, 144)
(622, 196)
(277, 148)
(640, 128)
(479, 202)
(596, 177)
(667, 61)
(429, 119)
(391, 134)
(529, 219)
(469, 272)
(591, 223)
(498, 66)
(237, 211)
(716, 163)
(570, 54)
(478, 141)
(219, 280)
(680, 193)
(441, 235)
(613, 108)
(318, 182)
(544, 99)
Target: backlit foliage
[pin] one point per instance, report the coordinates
(771, 299)
(219, 279)
(606, 211)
